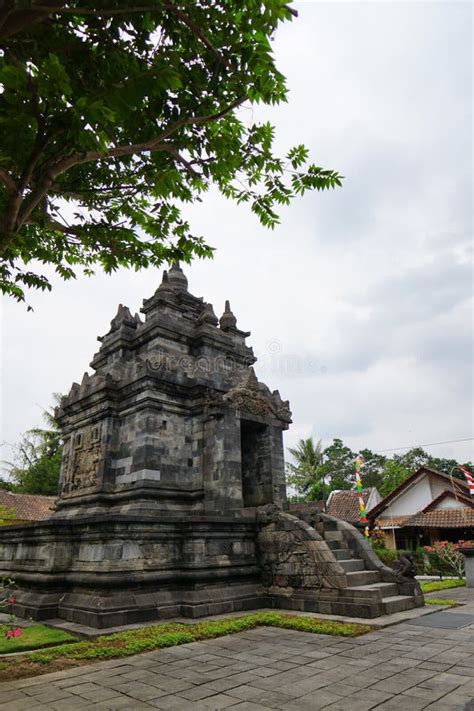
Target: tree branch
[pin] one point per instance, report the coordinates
(12, 206)
(13, 20)
(99, 11)
(154, 144)
(195, 29)
(8, 182)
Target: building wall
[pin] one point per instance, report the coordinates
(412, 500)
(451, 503)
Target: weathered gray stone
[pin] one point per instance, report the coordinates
(166, 444)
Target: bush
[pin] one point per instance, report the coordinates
(377, 538)
(446, 554)
(387, 556)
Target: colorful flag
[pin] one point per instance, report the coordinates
(359, 463)
(469, 478)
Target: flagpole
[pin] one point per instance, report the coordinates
(359, 463)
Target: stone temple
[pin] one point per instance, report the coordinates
(172, 490)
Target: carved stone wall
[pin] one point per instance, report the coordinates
(160, 418)
(81, 459)
(293, 555)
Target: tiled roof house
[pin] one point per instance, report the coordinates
(342, 504)
(428, 506)
(20, 508)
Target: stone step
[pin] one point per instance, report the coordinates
(340, 553)
(351, 565)
(337, 545)
(397, 603)
(333, 535)
(330, 525)
(378, 590)
(362, 577)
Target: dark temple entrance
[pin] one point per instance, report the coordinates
(256, 463)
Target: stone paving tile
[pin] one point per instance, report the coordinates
(91, 691)
(170, 702)
(421, 692)
(327, 663)
(434, 666)
(364, 702)
(11, 695)
(400, 703)
(315, 701)
(250, 706)
(453, 702)
(395, 669)
(463, 671)
(398, 683)
(445, 680)
(20, 705)
(246, 692)
(219, 701)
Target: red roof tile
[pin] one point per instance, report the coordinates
(307, 506)
(443, 518)
(345, 505)
(391, 521)
(27, 507)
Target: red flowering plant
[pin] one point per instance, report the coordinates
(449, 555)
(10, 627)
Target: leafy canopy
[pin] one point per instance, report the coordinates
(115, 114)
(37, 460)
(316, 471)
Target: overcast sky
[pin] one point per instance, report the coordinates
(360, 303)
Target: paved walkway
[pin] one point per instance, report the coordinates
(401, 668)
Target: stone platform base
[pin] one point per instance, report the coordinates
(102, 610)
(125, 570)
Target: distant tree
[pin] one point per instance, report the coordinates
(393, 474)
(448, 466)
(412, 459)
(37, 462)
(316, 471)
(128, 111)
(372, 472)
(304, 473)
(338, 465)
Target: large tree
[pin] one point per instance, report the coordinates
(314, 472)
(303, 473)
(114, 114)
(37, 458)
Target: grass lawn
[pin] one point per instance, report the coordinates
(33, 638)
(146, 639)
(447, 603)
(441, 585)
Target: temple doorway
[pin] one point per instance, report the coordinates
(256, 463)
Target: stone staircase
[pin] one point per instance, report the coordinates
(312, 562)
(362, 582)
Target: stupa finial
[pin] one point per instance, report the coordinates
(227, 320)
(208, 316)
(177, 278)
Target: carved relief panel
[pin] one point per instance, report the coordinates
(81, 458)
